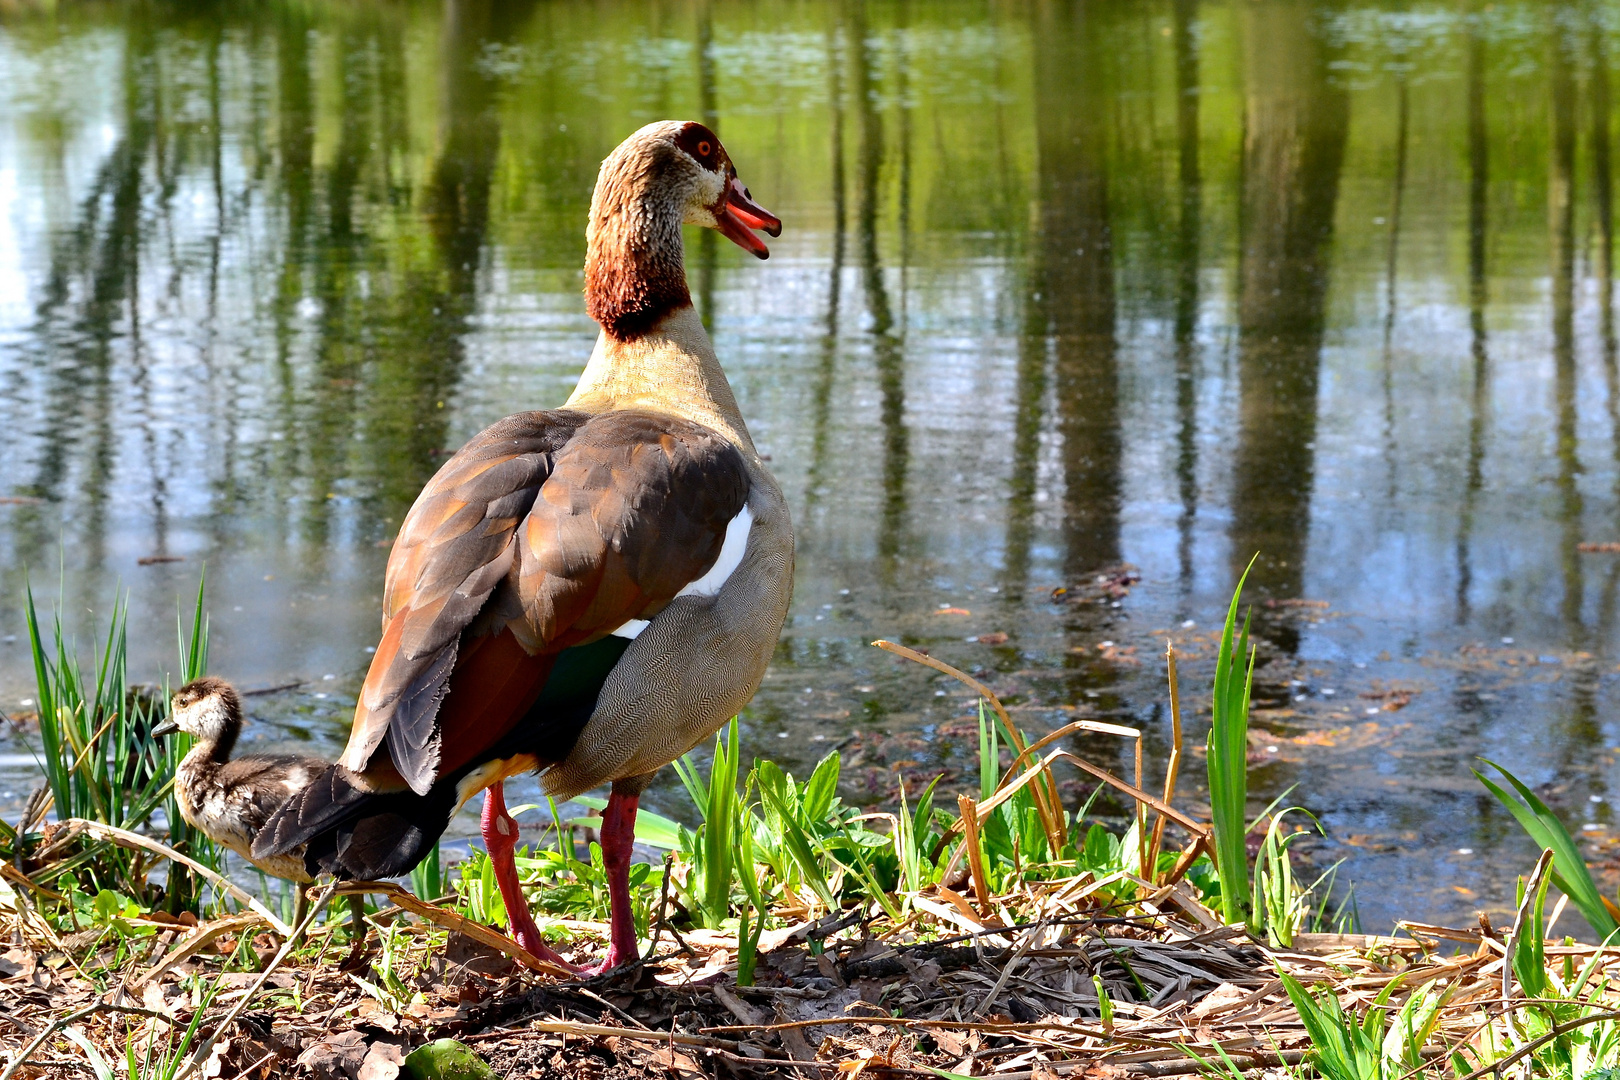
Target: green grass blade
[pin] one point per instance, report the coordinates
(989, 757)
(1529, 944)
(50, 732)
(797, 843)
(427, 880)
(862, 870)
(719, 824)
(821, 787)
(1333, 1039)
(696, 789)
(1228, 759)
(194, 650)
(653, 830)
(1570, 873)
(98, 1064)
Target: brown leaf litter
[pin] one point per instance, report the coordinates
(1014, 997)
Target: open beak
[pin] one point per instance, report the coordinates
(168, 727)
(740, 214)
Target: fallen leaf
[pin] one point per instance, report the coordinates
(678, 1065)
(383, 1061)
(18, 962)
(215, 1065)
(470, 954)
(1223, 996)
(336, 1057)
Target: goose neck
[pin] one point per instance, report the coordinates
(672, 368)
(635, 260)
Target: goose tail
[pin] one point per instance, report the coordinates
(351, 832)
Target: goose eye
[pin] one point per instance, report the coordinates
(704, 148)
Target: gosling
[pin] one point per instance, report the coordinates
(229, 800)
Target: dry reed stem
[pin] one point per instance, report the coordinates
(91, 745)
(1173, 766)
(1141, 818)
(126, 838)
(449, 920)
(1042, 768)
(1047, 802)
(198, 939)
(970, 840)
(200, 1054)
(1527, 903)
(1193, 826)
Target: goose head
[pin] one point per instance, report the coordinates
(207, 709)
(663, 176)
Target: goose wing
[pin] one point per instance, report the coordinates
(547, 530)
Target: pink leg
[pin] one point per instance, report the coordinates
(618, 837)
(500, 839)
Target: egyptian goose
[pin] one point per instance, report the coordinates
(230, 800)
(588, 592)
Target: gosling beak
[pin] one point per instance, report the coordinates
(739, 213)
(168, 727)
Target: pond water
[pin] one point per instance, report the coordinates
(1061, 287)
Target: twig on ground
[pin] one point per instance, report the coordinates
(451, 921)
(200, 1055)
(70, 1019)
(125, 838)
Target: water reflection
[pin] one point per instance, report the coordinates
(1063, 286)
(1479, 400)
(1074, 273)
(887, 343)
(1189, 225)
(1296, 121)
(827, 359)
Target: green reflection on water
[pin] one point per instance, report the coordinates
(1062, 284)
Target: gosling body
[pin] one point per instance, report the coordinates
(228, 799)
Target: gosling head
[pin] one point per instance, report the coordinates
(207, 709)
(667, 174)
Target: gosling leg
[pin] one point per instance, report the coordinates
(357, 931)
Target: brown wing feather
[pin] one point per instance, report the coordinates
(634, 511)
(454, 548)
(548, 530)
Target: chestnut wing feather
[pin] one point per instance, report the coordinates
(453, 550)
(604, 519)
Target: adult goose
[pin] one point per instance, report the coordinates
(589, 591)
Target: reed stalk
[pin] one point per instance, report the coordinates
(1172, 767)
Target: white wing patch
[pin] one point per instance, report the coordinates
(731, 556)
(732, 549)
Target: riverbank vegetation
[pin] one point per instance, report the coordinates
(988, 932)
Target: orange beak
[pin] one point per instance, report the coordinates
(739, 214)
